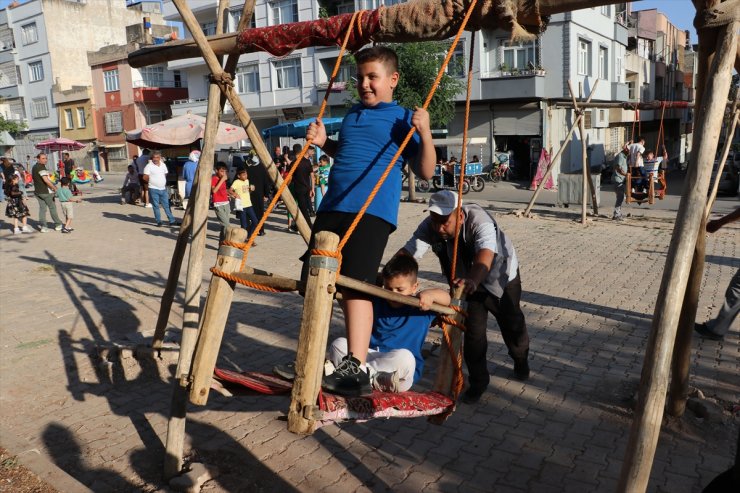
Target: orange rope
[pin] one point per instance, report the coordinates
(289, 176)
(464, 159)
(244, 282)
(401, 148)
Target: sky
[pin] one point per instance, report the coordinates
(680, 12)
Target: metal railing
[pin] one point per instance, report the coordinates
(155, 83)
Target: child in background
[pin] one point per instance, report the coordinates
(64, 194)
(130, 189)
(239, 191)
(220, 193)
(322, 176)
(16, 208)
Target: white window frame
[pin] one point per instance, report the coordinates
(632, 90)
(152, 76)
(618, 69)
(246, 73)
(110, 80)
(388, 3)
(584, 57)
(39, 108)
(81, 120)
(603, 62)
(235, 16)
(458, 62)
(283, 11)
(113, 122)
(29, 33)
(283, 69)
(68, 119)
(605, 10)
(36, 71)
(347, 69)
(117, 153)
(527, 49)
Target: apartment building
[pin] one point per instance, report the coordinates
(516, 91)
(43, 46)
(129, 98)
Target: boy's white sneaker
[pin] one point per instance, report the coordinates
(16, 231)
(385, 381)
(27, 229)
(43, 229)
(148, 206)
(58, 227)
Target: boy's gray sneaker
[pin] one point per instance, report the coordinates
(286, 370)
(44, 229)
(385, 381)
(58, 227)
(348, 378)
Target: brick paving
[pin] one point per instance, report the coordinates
(589, 296)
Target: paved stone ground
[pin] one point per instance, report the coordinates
(589, 297)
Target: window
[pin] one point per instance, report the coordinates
(70, 124)
(584, 57)
(39, 108)
(603, 63)
(618, 69)
(236, 15)
(114, 122)
(347, 69)
(29, 33)
(35, 71)
(110, 79)
(81, 123)
(457, 66)
(516, 55)
(631, 90)
(248, 79)
(152, 76)
(388, 3)
(155, 116)
(288, 73)
(284, 11)
(178, 78)
(209, 28)
(605, 10)
(116, 153)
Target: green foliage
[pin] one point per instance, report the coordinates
(12, 127)
(418, 66)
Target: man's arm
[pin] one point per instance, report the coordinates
(478, 272)
(48, 182)
(714, 225)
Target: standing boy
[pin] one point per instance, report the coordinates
(141, 163)
(371, 133)
(303, 183)
(239, 190)
(219, 191)
(64, 194)
(620, 174)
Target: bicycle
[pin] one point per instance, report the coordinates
(499, 172)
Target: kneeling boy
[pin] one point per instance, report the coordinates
(394, 360)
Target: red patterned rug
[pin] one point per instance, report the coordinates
(339, 408)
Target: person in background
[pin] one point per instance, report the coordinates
(260, 189)
(220, 193)
(620, 174)
(16, 208)
(141, 163)
(189, 169)
(44, 191)
(155, 176)
(64, 194)
(131, 188)
(69, 165)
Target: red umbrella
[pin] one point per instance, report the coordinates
(59, 144)
(182, 130)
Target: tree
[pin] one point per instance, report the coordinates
(10, 126)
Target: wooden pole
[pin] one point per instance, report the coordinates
(173, 277)
(378, 292)
(678, 392)
(551, 166)
(584, 163)
(176, 425)
(447, 369)
(236, 104)
(213, 320)
(649, 412)
(309, 363)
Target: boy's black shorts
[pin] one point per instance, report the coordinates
(363, 252)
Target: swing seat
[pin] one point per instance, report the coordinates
(335, 408)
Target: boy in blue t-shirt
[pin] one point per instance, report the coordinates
(371, 133)
(394, 360)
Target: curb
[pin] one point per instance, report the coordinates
(34, 460)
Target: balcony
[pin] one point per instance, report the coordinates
(526, 84)
(620, 91)
(158, 91)
(338, 96)
(12, 92)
